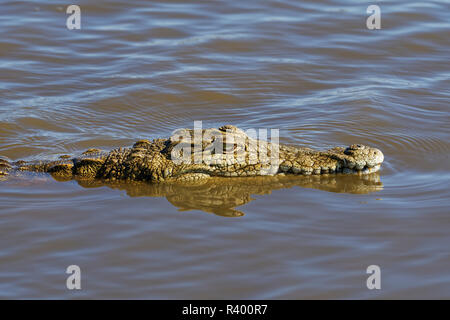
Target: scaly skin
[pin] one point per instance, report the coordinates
(152, 161)
(222, 196)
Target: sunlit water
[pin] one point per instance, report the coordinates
(309, 68)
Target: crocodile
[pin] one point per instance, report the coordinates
(183, 158)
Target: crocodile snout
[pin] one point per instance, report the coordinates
(362, 158)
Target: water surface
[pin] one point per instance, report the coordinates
(309, 68)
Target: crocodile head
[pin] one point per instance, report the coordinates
(358, 158)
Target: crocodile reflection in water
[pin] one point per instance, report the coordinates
(221, 196)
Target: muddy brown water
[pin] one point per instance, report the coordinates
(308, 68)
